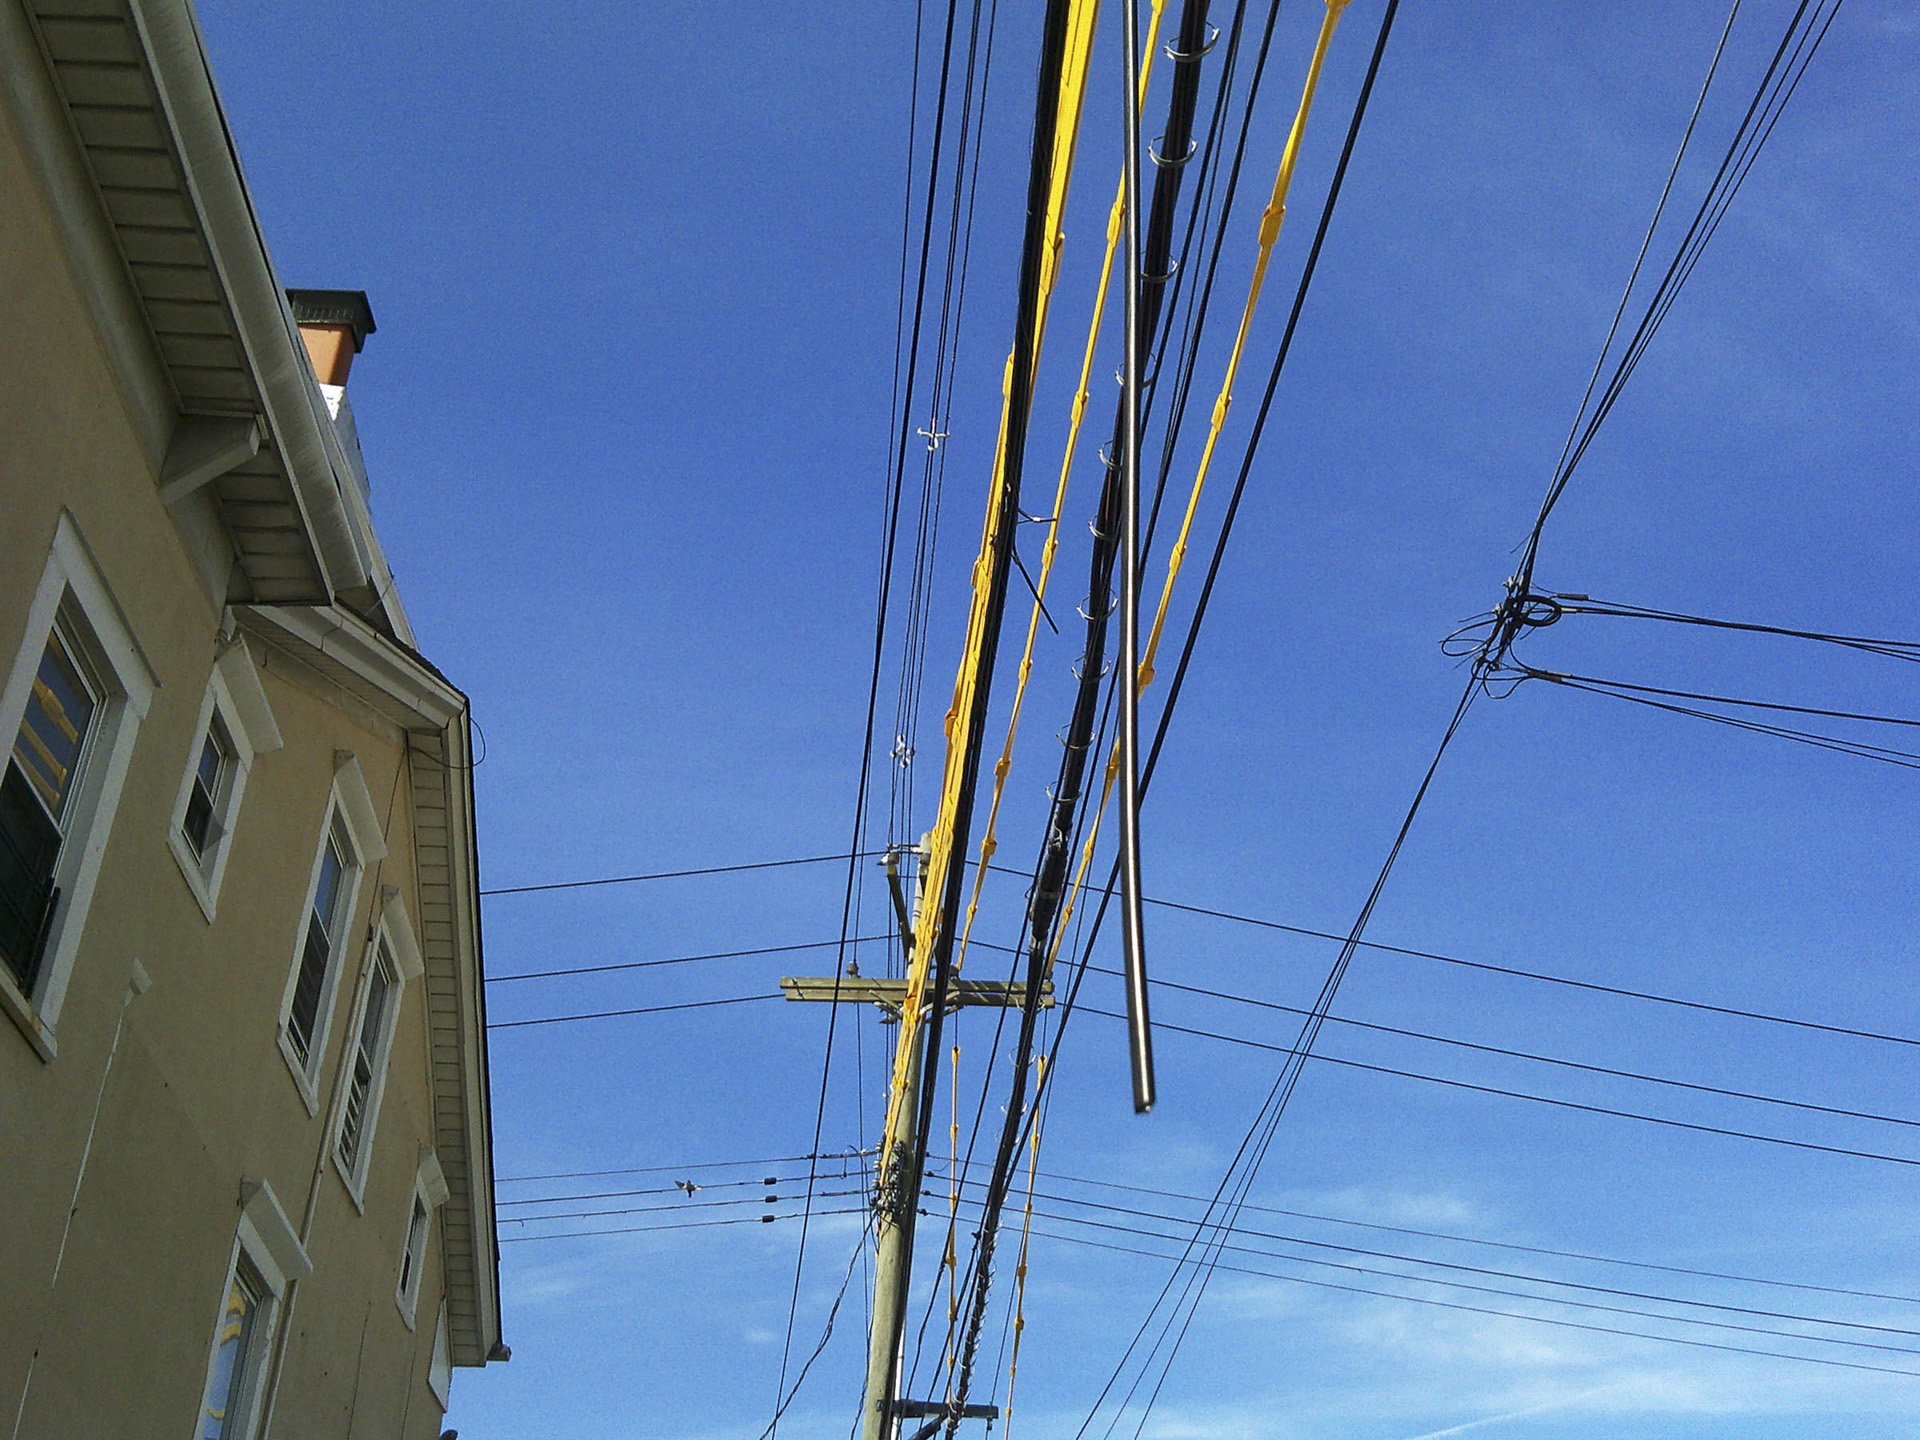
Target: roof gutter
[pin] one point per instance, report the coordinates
(297, 417)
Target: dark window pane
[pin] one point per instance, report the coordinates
(197, 827)
(29, 848)
(307, 989)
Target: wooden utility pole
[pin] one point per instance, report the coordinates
(896, 1192)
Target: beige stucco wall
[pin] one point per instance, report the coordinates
(197, 1095)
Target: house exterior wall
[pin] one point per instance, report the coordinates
(153, 1108)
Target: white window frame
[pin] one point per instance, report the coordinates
(73, 589)
(236, 696)
(350, 813)
(429, 1192)
(394, 937)
(267, 1240)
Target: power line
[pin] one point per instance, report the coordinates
(1534, 1056)
(684, 1225)
(678, 960)
(688, 1168)
(672, 1207)
(1643, 695)
(636, 1010)
(1692, 1272)
(671, 874)
(1503, 1314)
(1569, 604)
(1482, 1271)
(1696, 1126)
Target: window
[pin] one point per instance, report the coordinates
(235, 725)
(350, 839)
(369, 1067)
(69, 709)
(267, 1258)
(429, 1192)
(393, 961)
(327, 919)
(236, 1354)
(207, 787)
(36, 800)
(414, 1258)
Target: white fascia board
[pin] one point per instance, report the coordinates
(296, 415)
(370, 657)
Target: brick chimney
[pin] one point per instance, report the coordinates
(334, 324)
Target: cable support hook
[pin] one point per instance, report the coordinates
(1190, 57)
(1153, 153)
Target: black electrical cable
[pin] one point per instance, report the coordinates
(675, 960)
(670, 1206)
(1209, 161)
(681, 1225)
(669, 874)
(635, 1010)
(873, 694)
(1741, 151)
(1860, 749)
(1050, 871)
(682, 1169)
(1522, 1277)
(1587, 1257)
(904, 1190)
(1503, 1314)
(1187, 649)
(1538, 1059)
(1695, 1126)
(1587, 605)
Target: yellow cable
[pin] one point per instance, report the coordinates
(1020, 1270)
(952, 1257)
(989, 842)
(1073, 82)
(1271, 220)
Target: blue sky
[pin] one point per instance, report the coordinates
(627, 418)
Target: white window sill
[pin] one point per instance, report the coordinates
(301, 1080)
(406, 1310)
(190, 864)
(20, 1010)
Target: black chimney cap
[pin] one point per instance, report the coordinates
(334, 307)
